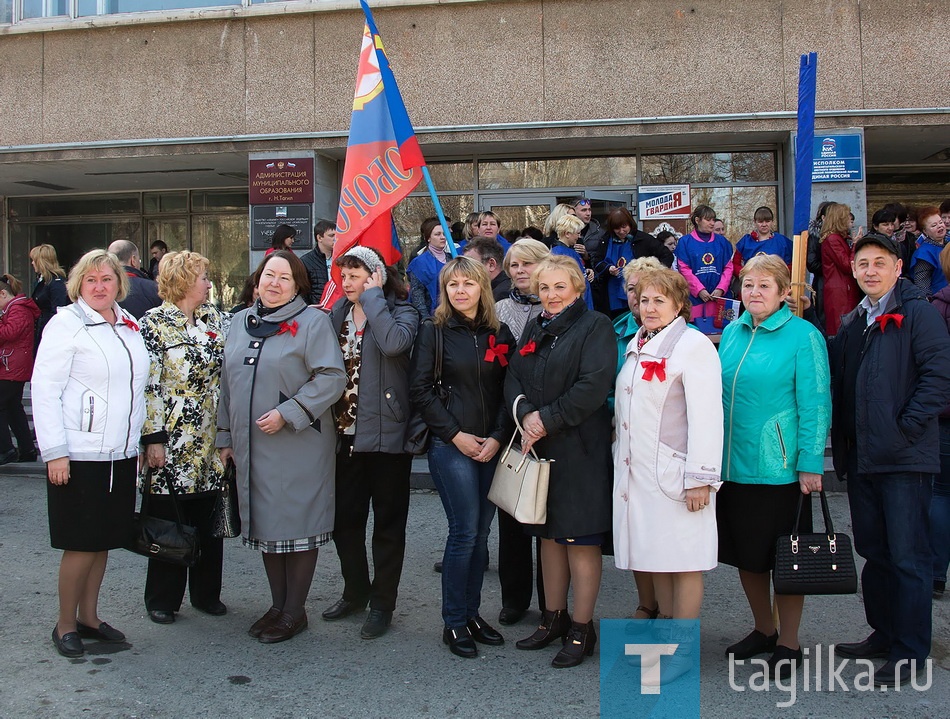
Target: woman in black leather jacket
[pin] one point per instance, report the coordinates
(468, 420)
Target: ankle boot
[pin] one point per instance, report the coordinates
(580, 642)
(554, 625)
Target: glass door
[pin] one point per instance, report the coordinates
(519, 210)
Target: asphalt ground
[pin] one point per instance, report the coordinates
(205, 666)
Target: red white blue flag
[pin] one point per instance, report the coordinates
(382, 160)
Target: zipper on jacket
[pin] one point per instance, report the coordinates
(781, 444)
(92, 412)
(478, 373)
(131, 387)
(732, 402)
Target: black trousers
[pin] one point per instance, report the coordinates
(380, 479)
(515, 568)
(13, 416)
(165, 583)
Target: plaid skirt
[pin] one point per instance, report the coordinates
(286, 546)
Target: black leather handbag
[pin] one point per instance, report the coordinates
(814, 563)
(226, 516)
(164, 539)
(418, 434)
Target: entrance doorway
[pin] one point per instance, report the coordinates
(531, 209)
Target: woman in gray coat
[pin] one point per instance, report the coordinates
(282, 373)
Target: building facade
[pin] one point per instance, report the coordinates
(122, 119)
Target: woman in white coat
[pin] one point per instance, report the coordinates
(668, 451)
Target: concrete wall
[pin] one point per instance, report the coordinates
(466, 63)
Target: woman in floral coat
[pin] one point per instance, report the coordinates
(185, 342)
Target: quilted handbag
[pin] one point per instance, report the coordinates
(226, 516)
(820, 563)
(520, 484)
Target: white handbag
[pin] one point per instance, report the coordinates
(520, 484)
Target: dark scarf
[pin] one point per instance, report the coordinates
(521, 299)
(263, 311)
(547, 318)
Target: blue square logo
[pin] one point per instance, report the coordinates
(649, 668)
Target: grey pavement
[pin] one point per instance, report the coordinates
(205, 666)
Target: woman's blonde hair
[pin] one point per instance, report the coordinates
(559, 211)
(471, 270)
(525, 249)
(178, 272)
(568, 223)
(96, 260)
(47, 265)
(669, 283)
(837, 221)
(771, 265)
(564, 264)
(641, 264)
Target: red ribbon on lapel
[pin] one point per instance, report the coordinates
(212, 335)
(130, 324)
(884, 319)
(528, 349)
(496, 351)
(654, 369)
(288, 327)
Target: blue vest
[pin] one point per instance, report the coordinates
(776, 245)
(561, 249)
(931, 255)
(707, 260)
(426, 268)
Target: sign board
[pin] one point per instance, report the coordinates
(661, 202)
(837, 158)
(280, 182)
(265, 218)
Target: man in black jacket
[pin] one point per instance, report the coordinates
(143, 291)
(318, 260)
(890, 380)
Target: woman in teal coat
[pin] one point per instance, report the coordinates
(777, 411)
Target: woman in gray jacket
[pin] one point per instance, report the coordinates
(376, 327)
(282, 373)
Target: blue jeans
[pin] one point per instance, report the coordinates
(940, 508)
(463, 486)
(890, 514)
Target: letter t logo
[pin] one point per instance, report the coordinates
(650, 663)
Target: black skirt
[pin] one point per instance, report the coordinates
(750, 517)
(84, 514)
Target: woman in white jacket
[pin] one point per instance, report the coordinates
(668, 455)
(88, 402)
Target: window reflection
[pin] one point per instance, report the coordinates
(701, 168)
(409, 214)
(570, 172)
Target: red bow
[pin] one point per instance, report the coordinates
(654, 369)
(130, 324)
(884, 319)
(528, 349)
(288, 327)
(496, 351)
(212, 335)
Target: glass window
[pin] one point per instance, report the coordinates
(71, 206)
(71, 239)
(571, 172)
(161, 202)
(211, 200)
(6, 12)
(44, 8)
(448, 176)
(91, 7)
(222, 238)
(736, 206)
(713, 167)
(173, 233)
(409, 214)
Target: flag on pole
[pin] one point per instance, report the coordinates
(383, 160)
(805, 140)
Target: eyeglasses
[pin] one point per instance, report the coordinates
(582, 203)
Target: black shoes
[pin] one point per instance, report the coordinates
(376, 624)
(104, 633)
(69, 645)
(437, 567)
(581, 640)
(460, 642)
(160, 616)
(554, 625)
(215, 608)
(483, 633)
(784, 662)
(509, 615)
(755, 643)
(861, 650)
(887, 675)
(343, 608)
(10, 456)
(940, 587)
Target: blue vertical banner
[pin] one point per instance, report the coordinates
(804, 141)
(649, 668)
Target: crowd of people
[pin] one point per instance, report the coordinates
(585, 341)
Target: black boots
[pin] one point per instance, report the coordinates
(581, 640)
(554, 625)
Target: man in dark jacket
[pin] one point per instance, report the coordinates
(591, 232)
(890, 380)
(318, 260)
(487, 251)
(143, 290)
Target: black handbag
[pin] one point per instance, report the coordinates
(226, 516)
(164, 539)
(814, 563)
(418, 434)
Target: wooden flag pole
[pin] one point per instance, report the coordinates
(799, 268)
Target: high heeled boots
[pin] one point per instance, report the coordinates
(554, 625)
(580, 642)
